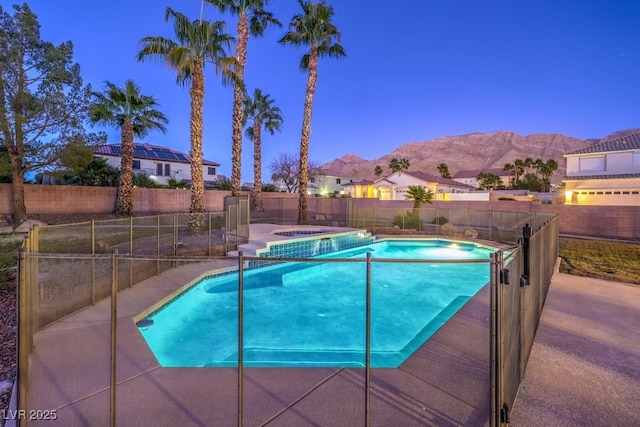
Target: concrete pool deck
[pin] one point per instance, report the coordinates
(588, 329)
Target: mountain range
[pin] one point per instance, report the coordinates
(469, 152)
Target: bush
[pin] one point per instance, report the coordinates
(410, 220)
(439, 220)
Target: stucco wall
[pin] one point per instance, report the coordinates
(621, 222)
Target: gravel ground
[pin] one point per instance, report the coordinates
(8, 363)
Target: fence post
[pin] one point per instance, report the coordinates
(240, 334)
(526, 238)
(495, 342)
(24, 334)
(93, 262)
(114, 323)
(367, 349)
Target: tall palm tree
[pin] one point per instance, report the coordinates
(419, 195)
(444, 170)
(136, 115)
(378, 171)
(262, 111)
(313, 29)
(508, 167)
(197, 42)
(252, 20)
(519, 167)
(546, 169)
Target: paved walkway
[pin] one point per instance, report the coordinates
(584, 368)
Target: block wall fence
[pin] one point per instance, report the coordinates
(615, 222)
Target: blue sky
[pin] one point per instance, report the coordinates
(415, 70)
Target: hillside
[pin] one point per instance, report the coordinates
(465, 152)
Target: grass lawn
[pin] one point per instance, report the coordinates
(607, 260)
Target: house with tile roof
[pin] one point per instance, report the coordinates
(470, 177)
(159, 163)
(605, 173)
(395, 186)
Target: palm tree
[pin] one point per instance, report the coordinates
(519, 167)
(508, 167)
(398, 164)
(444, 170)
(313, 29)
(135, 114)
(378, 171)
(252, 19)
(198, 42)
(262, 111)
(546, 169)
(419, 195)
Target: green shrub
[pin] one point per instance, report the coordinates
(439, 220)
(410, 220)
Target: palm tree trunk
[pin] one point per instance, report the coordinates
(197, 180)
(124, 204)
(238, 96)
(257, 166)
(306, 134)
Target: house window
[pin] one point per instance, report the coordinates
(167, 169)
(159, 169)
(592, 164)
(636, 159)
(211, 171)
(312, 179)
(163, 169)
(136, 165)
(337, 180)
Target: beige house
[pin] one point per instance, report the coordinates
(606, 173)
(159, 163)
(327, 185)
(360, 189)
(395, 186)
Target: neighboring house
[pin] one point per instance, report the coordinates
(159, 163)
(470, 177)
(395, 186)
(606, 173)
(327, 185)
(360, 189)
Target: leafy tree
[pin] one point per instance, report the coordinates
(43, 103)
(530, 182)
(398, 164)
(315, 30)
(252, 19)
(198, 42)
(223, 183)
(269, 188)
(285, 168)
(136, 115)
(262, 111)
(488, 181)
(378, 171)
(97, 173)
(142, 180)
(419, 195)
(444, 170)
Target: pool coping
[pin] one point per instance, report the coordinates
(426, 387)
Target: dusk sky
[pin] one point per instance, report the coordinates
(415, 70)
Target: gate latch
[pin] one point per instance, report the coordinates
(504, 276)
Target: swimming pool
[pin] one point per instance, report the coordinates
(313, 314)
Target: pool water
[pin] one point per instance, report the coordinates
(313, 314)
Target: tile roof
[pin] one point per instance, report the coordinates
(151, 152)
(474, 173)
(627, 142)
(438, 179)
(614, 176)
